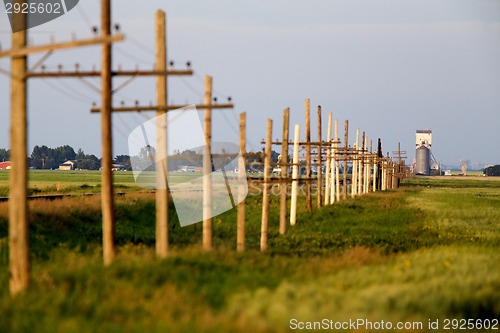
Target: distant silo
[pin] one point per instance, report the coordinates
(423, 165)
(423, 152)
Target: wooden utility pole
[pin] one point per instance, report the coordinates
(265, 195)
(346, 147)
(107, 202)
(308, 155)
(320, 160)
(329, 152)
(375, 169)
(337, 164)
(295, 175)
(18, 208)
(207, 168)
(368, 166)
(161, 139)
(19, 265)
(334, 163)
(284, 173)
(361, 158)
(355, 162)
(242, 179)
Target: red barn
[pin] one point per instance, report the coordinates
(5, 165)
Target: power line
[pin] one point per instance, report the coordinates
(191, 87)
(70, 95)
(84, 16)
(142, 46)
(132, 57)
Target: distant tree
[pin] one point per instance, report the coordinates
(86, 162)
(4, 155)
(64, 153)
(80, 155)
(40, 157)
(124, 160)
(274, 156)
(492, 170)
(50, 158)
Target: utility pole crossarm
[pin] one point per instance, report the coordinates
(164, 108)
(58, 46)
(94, 73)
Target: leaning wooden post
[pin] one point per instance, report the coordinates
(265, 195)
(346, 147)
(242, 179)
(207, 168)
(295, 176)
(308, 155)
(19, 265)
(320, 160)
(328, 160)
(284, 173)
(337, 163)
(161, 140)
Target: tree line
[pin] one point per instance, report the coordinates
(43, 157)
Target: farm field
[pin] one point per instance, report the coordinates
(428, 251)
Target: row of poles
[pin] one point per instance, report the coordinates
(19, 263)
(370, 170)
(328, 151)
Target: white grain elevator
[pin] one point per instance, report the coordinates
(423, 145)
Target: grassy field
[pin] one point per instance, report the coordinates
(428, 251)
(78, 182)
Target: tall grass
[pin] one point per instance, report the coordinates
(415, 254)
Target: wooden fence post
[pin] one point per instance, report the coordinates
(367, 168)
(207, 168)
(328, 183)
(295, 175)
(355, 162)
(265, 195)
(308, 155)
(337, 163)
(375, 171)
(107, 192)
(19, 264)
(284, 173)
(320, 161)
(346, 147)
(333, 170)
(361, 164)
(161, 140)
(242, 179)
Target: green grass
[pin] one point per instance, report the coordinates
(453, 182)
(419, 253)
(47, 181)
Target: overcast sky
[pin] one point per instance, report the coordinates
(389, 66)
